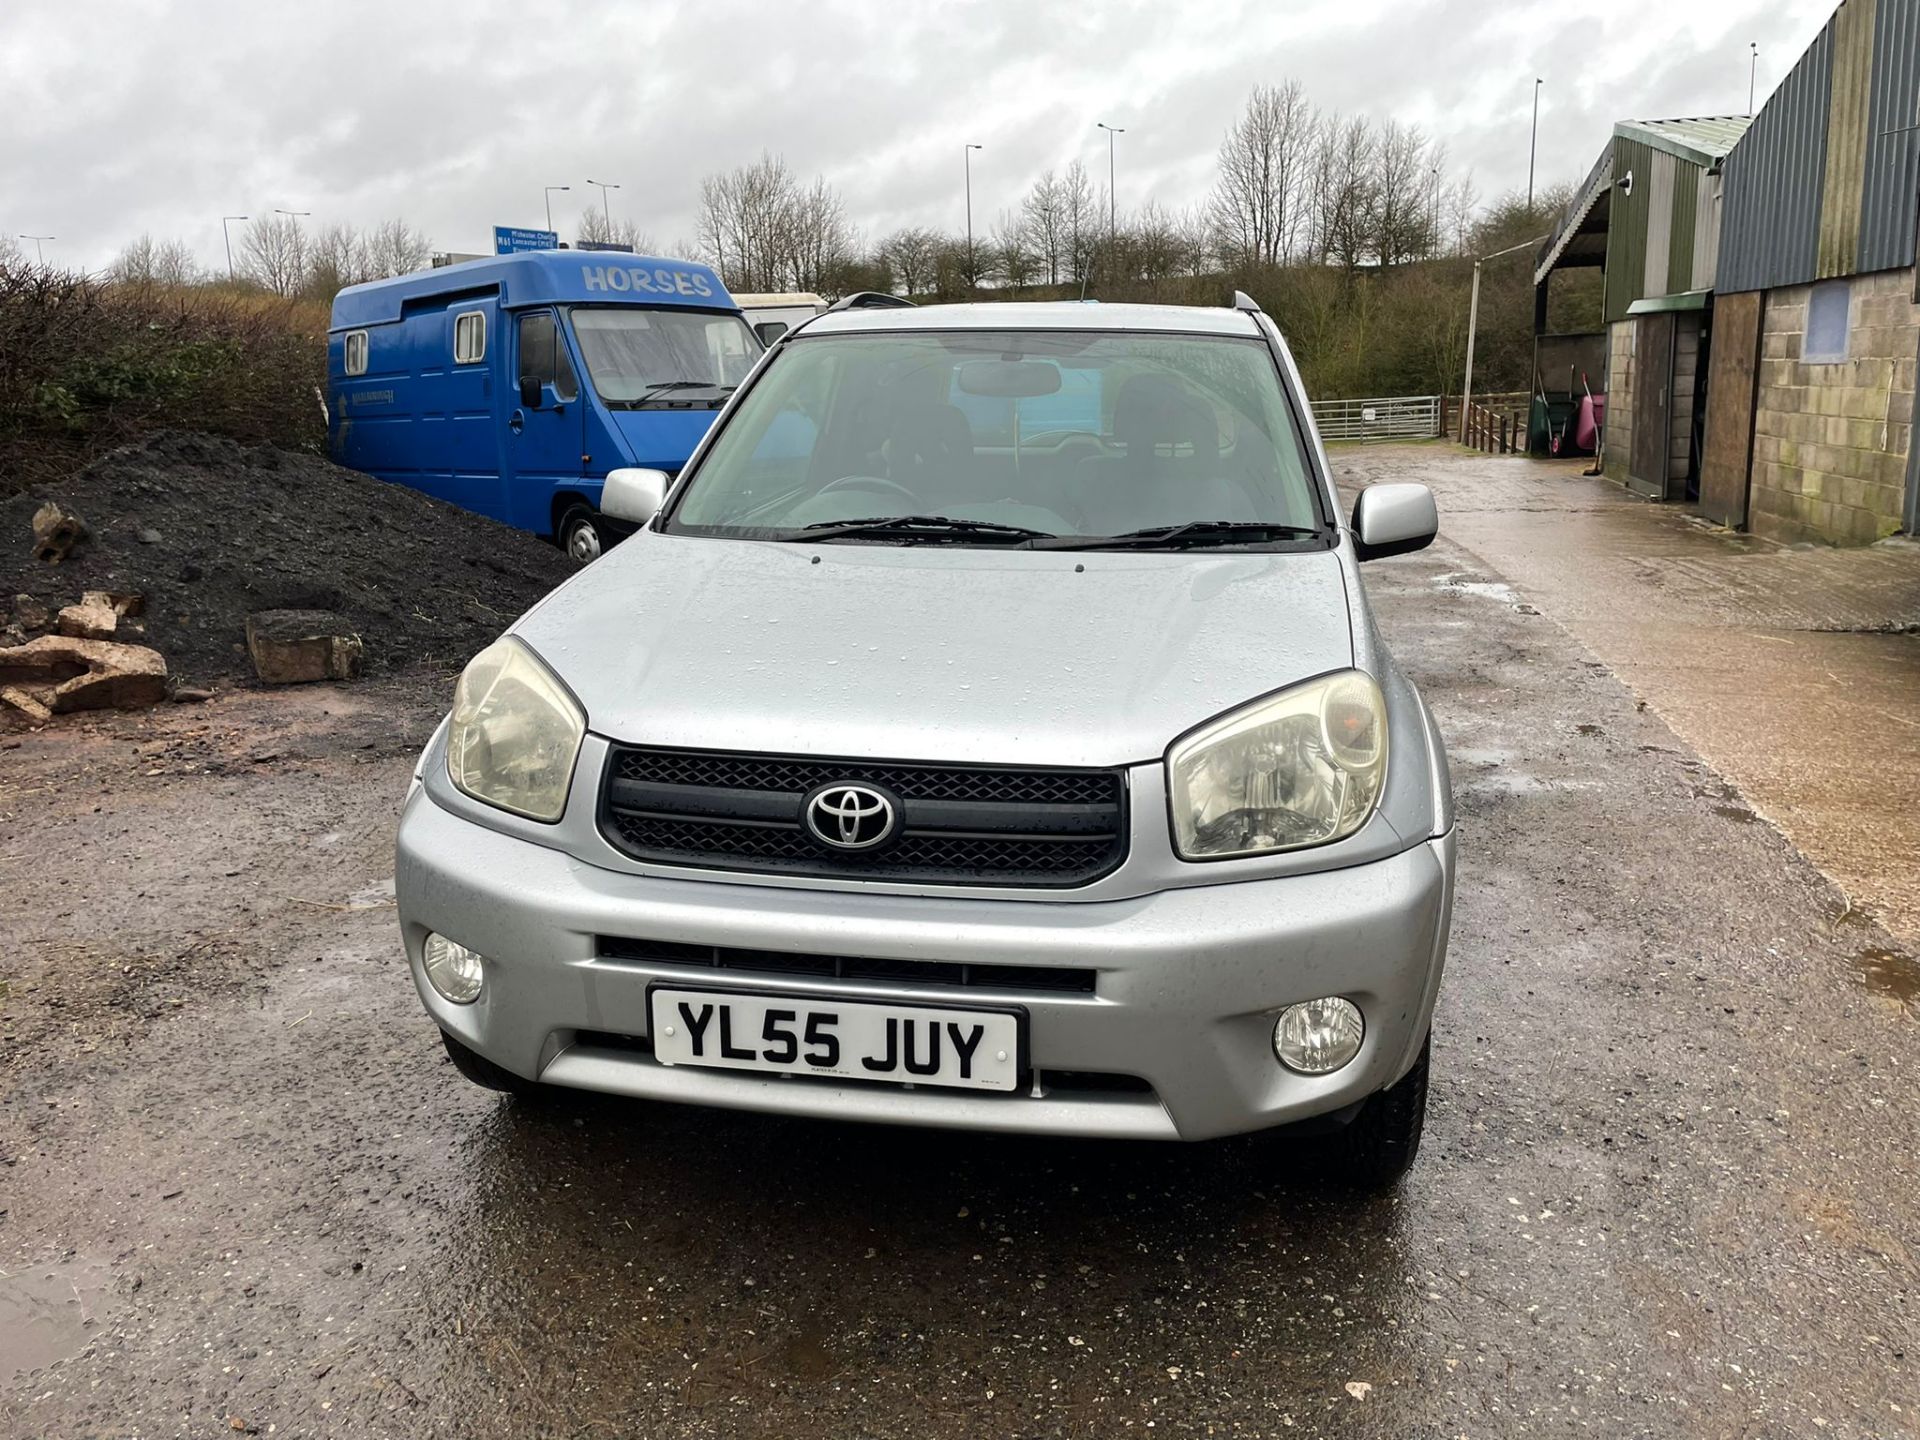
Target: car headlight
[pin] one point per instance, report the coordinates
(515, 733)
(1304, 767)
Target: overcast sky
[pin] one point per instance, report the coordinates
(129, 117)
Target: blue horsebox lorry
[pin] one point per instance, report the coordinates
(512, 385)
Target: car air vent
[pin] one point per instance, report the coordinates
(1061, 979)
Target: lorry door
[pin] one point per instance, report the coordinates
(544, 442)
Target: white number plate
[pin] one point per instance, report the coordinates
(850, 1040)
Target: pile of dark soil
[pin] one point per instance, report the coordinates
(208, 530)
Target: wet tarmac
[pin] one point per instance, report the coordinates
(1669, 1186)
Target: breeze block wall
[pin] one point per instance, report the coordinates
(1618, 440)
(1830, 440)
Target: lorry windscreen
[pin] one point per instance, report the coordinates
(643, 359)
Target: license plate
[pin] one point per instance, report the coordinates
(847, 1040)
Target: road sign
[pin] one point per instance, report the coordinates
(510, 240)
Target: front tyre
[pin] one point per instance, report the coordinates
(484, 1073)
(1379, 1145)
(581, 535)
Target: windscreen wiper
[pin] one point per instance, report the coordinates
(667, 386)
(1192, 533)
(917, 527)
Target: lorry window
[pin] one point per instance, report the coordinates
(470, 337)
(544, 358)
(356, 356)
(645, 359)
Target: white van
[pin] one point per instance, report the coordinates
(771, 316)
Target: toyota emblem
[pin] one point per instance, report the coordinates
(850, 817)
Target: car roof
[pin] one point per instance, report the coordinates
(1057, 315)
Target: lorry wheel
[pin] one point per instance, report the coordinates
(484, 1073)
(1380, 1143)
(579, 534)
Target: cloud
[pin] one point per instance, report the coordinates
(127, 117)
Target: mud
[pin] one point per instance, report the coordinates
(209, 530)
(1668, 1186)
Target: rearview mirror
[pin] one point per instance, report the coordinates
(530, 391)
(1009, 379)
(1393, 520)
(633, 495)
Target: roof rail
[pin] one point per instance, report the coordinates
(1244, 301)
(868, 300)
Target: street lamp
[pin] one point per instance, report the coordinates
(40, 256)
(227, 235)
(1753, 69)
(1473, 322)
(1533, 145)
(966, 160)
(605, 186)
(1113, 212)
(549, 198)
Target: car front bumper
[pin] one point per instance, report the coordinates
(1189, 981)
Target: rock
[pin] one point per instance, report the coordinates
(191, 695)
(28, 703)
(72, 673)
(29, 613)
(149, 536)
(92, 619)
(292, 647)
(56, 531)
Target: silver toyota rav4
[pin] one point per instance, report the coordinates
(987, 729)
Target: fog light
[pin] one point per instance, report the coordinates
(452, 969)
(1319, 1036)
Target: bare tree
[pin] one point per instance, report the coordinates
(336, 258)
(1194, 233)
(274, 253)
(910, 254)
(1045, 218)
(1079, 219)
(819, 240)
(1012, 257)
(1345, 193)
(596, 228)
(12, 257)
(155, 262)
(1403, 191)
(1264, 162)
(743, 219)
(394, 247)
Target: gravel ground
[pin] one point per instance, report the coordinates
(1668, 1187)
(209, 530)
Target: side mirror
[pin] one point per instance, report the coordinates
(530, 391)
(770, 331)
(633, 495)
(1393, 520)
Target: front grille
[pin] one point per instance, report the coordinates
(959, 824)
(1062, 979)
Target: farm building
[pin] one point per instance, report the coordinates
(1649, 212)
(1817, 329)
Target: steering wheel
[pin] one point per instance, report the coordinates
(875, 483)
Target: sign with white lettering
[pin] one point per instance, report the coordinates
(509, 240)
(646, 280)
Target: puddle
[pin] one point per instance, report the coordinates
(1889, 973)
(372, 897)
(47, 1312)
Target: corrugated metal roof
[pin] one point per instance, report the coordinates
(1771, 180)
(1892, 179)
(1777, 184)
(1598, 182)
(1703, 139)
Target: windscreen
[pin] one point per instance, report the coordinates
(640, 358)
(1066, 434)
